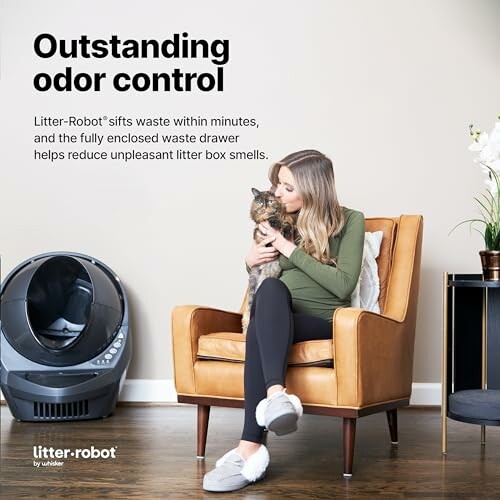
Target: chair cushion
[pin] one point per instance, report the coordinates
(389, 227)
(229, 346)
(367, 290)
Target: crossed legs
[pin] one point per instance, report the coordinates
(272, 329)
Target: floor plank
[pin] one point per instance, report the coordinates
(155, 457)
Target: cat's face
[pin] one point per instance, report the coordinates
(264, 205)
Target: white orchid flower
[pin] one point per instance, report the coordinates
(494, 138)
(487, 147)
(494, 147)
(488, 155)
(480, 142)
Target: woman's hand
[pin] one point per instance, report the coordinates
(260, 254)
(280, 243)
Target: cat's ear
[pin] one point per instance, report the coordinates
(255, 192)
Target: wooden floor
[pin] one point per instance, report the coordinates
(155, 457)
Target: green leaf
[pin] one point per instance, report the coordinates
(490, 201)
(496, 243)
(465, 222)
(488, 237)
(489, 209)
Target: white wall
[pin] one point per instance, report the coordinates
(386, 88)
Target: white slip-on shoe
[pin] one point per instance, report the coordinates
(233, 472)
(279, 412)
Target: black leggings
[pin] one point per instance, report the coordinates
(272, 329)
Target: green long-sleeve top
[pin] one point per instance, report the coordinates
(318, 289)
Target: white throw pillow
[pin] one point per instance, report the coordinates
(367, 290)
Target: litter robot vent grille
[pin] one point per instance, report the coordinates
(61, 411)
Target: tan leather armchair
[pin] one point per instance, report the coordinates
(365, 368)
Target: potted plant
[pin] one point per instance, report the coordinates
(487, 146)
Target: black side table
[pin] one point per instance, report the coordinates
(471, 352)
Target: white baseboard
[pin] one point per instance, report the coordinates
(425, 394)
(150, 391)
(163, 391)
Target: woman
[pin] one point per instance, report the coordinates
(320, 271)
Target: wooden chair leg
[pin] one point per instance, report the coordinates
(392, 420)
(348, 438)
(203, 415)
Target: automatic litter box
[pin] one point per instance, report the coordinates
(65, 340)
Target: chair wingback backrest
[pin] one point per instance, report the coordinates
(398, 264)
(404, 278)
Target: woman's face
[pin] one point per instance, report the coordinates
(286, 191)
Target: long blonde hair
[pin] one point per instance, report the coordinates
(321, 215)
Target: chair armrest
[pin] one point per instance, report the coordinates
(188, 324)
(372, 357)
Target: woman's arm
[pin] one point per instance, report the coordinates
(259, 253)
(340, 280)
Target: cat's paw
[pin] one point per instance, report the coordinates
(274, 222)
(287, 232)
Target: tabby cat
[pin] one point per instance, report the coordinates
(265, 207)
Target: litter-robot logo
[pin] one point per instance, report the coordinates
(48, 456)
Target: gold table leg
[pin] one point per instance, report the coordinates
(444, 385)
